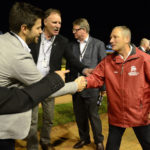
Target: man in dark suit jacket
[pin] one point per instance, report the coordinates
(90, 51)
(48, 54)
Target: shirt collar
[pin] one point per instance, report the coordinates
(143, 48)
(24, 44)
(85, 41)
(44, 37)
(131, 47)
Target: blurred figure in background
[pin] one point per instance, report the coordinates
(148, 49)
(144, 45)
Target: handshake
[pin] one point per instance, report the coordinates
(81, 82)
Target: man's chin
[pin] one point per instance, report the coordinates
(36, 40)
(55, 33)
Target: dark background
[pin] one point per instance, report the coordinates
(102, 16)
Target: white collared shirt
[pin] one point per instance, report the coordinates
(83, 47)
(143, 49)
(128, 54)
(44, 54)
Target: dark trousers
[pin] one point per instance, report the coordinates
(7, 144)
(116, 133)
(86, 110)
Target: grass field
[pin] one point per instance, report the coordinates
(64, 113)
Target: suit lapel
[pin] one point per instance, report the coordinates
(54, 45)
(76, 50)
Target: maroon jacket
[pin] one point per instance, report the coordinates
(127, 85)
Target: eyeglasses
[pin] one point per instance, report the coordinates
(76, 30)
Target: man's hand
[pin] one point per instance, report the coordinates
(87, 71)
(62, 73)
(81, 82)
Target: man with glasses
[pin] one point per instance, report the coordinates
(90, 51)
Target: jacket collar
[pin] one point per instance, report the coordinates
(133, 55)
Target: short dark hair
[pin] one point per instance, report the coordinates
(50, 11)
(23, 13)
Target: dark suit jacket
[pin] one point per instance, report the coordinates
(16, 100)
(60, 49)
(94, 53)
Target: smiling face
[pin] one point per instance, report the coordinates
(52, 24)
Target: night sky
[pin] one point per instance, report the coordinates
(102, 16)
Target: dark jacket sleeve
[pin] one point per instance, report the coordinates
(16, 100)
(72, 60)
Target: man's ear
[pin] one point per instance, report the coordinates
(24, 28)
(127, 39)
(45, 21)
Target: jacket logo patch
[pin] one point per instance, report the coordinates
(133, 71)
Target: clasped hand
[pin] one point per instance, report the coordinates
(81, 82)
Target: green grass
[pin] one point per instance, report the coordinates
(64, 113)
(103, 107)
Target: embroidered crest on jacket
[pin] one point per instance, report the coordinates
(133, 71)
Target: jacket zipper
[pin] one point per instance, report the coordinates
(141, 105)
(122, 68)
